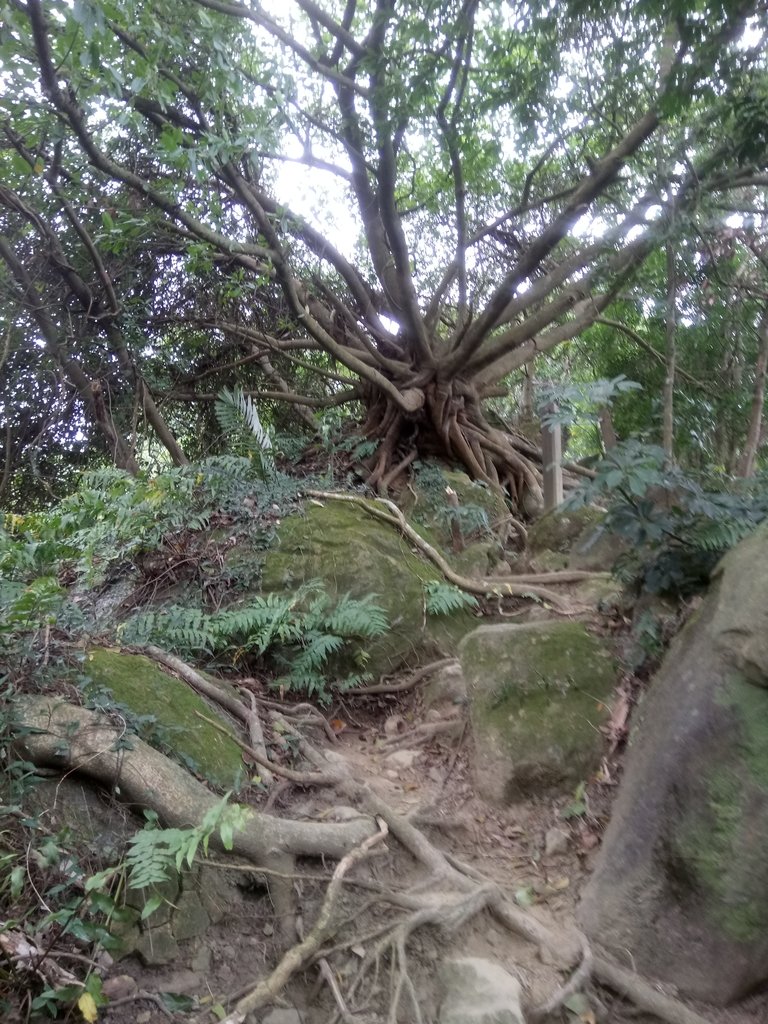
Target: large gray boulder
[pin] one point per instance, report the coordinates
(538, 693)
(351, 552)
(680, 891)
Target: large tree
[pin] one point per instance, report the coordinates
(508, 168)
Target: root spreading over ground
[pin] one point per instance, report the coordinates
(448, 896)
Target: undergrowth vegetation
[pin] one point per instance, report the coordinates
(140, 560)
(676, 526)
(168, 536)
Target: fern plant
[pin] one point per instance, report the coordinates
(308, 640)
(444, 598)
(155, 855)
(240, 422)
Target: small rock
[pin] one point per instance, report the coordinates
(282, 1017)
(447, 685)
(181, 981)
(555, 842)
(477, 991)
(394, 725)
(144, 1017)
(201, 962)
(268, 929)
(191, 918)
(119, 987)
(402, 758)
(157, 946)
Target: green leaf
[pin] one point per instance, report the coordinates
(152, 904)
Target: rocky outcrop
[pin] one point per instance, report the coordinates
(538, 694)
(166, 713)
(681, 887)
(352, 553)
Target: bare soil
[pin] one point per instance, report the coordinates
(542, 869)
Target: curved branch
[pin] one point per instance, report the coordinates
(388, 512)
(237, 10)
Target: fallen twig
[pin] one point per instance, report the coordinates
(265, 991)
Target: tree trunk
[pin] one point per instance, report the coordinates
(154, 417)
(607, 431)
(746, 466)
(668, 416)
(451, 425)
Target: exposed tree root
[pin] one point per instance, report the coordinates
(502, 586)
(267, 990)
(74, 739)
(408, 684)
(71, 738)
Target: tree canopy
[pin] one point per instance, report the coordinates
(505, 172)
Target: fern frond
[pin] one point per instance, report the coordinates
(444, 598)
(239, 419)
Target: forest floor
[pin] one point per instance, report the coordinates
(540, 852)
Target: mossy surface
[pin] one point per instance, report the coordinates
(350, 552)
(723, 836)
(723, 856)
(558, 530)
(539, 694)
(740, 626)
(165, 710)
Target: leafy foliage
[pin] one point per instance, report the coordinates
(444, 598)
(303, 637)
(239, 420)
(156, 854)
(676, 529)
(563, 404)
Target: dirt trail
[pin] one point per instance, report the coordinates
(539, 852)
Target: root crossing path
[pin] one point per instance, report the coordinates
(423, 870)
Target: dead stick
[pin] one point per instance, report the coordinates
(265, 991)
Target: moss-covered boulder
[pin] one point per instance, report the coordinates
(681, 886)
(559, 530)
(539, 693)
(573, 539)
(351, 552)
(458, 515)
(164, 712)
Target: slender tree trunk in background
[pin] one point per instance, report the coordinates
(608, 436)
(668, 416)
(154, 417)
(746, 466)
(527, 409)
